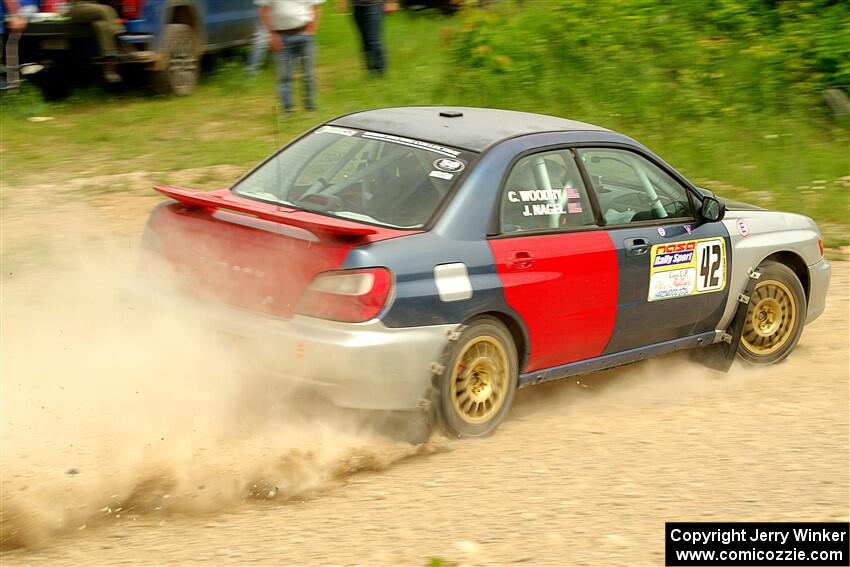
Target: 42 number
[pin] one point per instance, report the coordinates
(711, 264)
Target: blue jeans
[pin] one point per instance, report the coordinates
(297, 47)
(259, 49)
(369, 21)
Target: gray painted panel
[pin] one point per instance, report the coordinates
(476, 129)
(769, 232)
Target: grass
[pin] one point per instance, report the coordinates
(229, 119)
(788, 162)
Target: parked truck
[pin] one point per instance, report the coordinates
(165, 38)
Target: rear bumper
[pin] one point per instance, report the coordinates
(63, 41)
(355, 365)
(64, 29)
(819, 275)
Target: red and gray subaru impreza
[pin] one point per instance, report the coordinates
(442, 258)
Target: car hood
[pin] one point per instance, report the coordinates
(733, 205)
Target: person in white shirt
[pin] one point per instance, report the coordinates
(292, 25)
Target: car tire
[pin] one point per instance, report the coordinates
(478, 381)
(180, 73)
(775, 315)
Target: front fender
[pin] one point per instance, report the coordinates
(755, 235)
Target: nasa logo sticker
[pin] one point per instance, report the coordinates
(743, 229)
(662, 231)
(449, 165)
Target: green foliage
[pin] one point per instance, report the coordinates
(688, 59)
(729, 91)
(708, 85)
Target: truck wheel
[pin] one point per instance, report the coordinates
(479, 380)
(775, 316)
(55, 83)
(180, 74)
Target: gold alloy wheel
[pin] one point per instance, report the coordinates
(770, 318)
(479, 380)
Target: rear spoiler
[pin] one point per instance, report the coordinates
(317, 224)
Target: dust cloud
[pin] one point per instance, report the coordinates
(669, 381)
(116, 408)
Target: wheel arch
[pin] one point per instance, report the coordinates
(517, 330)
(185, 12)
(777, 339)
(796, 264)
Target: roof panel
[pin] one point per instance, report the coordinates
(475, 130)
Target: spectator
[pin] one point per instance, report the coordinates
(292, 25)
(104, 20)
(369, 15)
(259, 49)
(9, 18)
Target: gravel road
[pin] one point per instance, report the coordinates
(582, 473)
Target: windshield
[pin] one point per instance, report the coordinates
(354, 174)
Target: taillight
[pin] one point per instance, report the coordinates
(352, 296)
(820, 245)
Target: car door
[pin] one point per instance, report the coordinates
(558, 269)
(672, 269)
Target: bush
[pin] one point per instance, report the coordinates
(652, 57)
(728, 91)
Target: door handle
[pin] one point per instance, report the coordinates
(520, 261)
(636, 246)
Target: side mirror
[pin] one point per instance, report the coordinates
(712, 210)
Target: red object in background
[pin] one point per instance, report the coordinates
(132, 9)
(129, 9)
(565, 288)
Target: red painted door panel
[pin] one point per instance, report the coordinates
(565, 288)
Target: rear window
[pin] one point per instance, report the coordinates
(359, 175)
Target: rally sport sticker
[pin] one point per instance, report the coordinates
(686, 268)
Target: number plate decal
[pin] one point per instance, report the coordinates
(679, 269)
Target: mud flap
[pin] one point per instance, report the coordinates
(720, 356)
(431, 402)
(415, 426)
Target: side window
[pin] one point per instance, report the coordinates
(630, 188)
(544, 191)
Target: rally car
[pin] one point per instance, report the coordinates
(435, 260)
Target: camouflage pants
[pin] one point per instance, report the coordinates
(104, 20)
